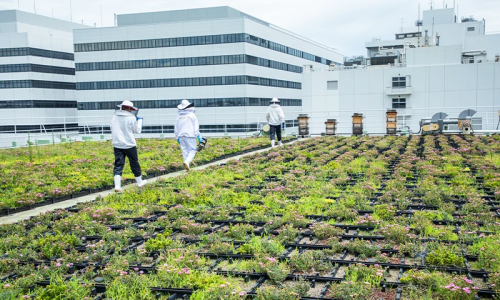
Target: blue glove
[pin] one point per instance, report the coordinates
(200, 139)
(137, 118)
(283, 126)
(178, 141)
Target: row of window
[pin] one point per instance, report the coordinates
(198, 40)
(187, 61)
(37, 104)
(18, 84)
(182, 82)
(212, 102)
(36, 52)
(47, 127)
(36, 68)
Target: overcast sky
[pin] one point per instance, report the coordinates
(342, 24)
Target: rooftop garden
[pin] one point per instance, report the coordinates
(324, 218)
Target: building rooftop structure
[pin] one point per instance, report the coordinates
(10, 20)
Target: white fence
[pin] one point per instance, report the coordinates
(226, 124)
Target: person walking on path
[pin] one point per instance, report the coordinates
(123, 126)
(276, 119)
(187, 130)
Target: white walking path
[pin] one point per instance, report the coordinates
(68, 203)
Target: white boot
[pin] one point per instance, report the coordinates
(190, 157)
(280, 143)
(273, 143)
(118, 183)
(186, 166)
(140, 182)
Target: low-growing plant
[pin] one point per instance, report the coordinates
(363, 248)
(308, 262)
(277, 293)
(160, 242)
(221, 248)
(240, 231)
(324, 230)
(384, 211)
(443, 256)
(288, 234)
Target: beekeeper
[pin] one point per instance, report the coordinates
(123, 126)
(276, 119)
(187, 130)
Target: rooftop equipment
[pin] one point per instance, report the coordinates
(391, 116)
(303, 125)
(331, 126)
(357, 124)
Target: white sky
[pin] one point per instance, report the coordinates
(342, 24)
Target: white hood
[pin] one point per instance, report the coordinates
(275, 115)
(123, 126)
(186, 124)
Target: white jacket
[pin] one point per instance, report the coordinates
(186, 124)
(275, 115)
(123, 126)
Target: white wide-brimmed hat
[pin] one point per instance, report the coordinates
(184, 104)
(127, 103)
(275, 100)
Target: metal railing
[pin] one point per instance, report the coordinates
(96, 127)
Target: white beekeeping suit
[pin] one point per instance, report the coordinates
(187, 130)
(276, 119)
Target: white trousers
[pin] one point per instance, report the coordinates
(188, 146)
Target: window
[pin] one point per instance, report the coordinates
(179, 62)
(222, 102)
(180, 82)
(198, 40)
(332, 85)
(36, 52)
(37, 104)
(399, 103)
(398, 82)
(471, 28)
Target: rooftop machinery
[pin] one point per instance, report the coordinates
(440, 124)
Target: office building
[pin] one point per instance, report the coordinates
(37, 74)
(228, 63)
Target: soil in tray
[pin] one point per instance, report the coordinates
(413, 261)
(316, 290)
(337, 256)
(308, 241)
(246, 286)
(377, 294)
(479, 282)
(392, 276)
(313, 292)
(341, 272)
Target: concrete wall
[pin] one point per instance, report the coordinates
(447, 88)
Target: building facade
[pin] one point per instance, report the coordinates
(228, 63)
(417, 76)
(37, 74)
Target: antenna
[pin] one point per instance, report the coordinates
(431, 2)
(402, 19)
(18, 5)
(418, 23)
(101, 17)
(70, 11)
(34, 5)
